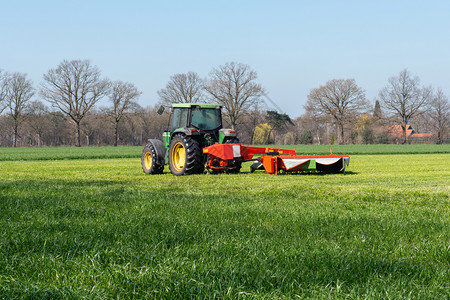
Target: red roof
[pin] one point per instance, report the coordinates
(422, 135)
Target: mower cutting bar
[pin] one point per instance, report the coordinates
(326, 163)
(273, 160)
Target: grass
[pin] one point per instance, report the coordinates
(100, 228)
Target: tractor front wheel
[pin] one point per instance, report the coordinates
(150, 163)
(185, 156)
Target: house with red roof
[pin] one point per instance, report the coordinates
(395, 133)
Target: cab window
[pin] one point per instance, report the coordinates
(179, 118)
(206, 119)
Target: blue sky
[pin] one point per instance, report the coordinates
(294, 46)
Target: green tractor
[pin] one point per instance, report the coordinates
(193, 126)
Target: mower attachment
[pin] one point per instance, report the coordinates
(272, 160)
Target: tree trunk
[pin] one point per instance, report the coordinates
(341, 134)
(268, 141)
(440, 130)
(78, 135)
(14, 138)
(403, 133)
(15, 133)
(116, 134)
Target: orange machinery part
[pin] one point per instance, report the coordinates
(219, 155)
(225, 151)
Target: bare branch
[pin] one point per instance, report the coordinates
(183, 88)
(404, 98)
(19, 91)
(74, 87)
(3, 90)
(440, 115)
(233, 86)
(123, 97)
(340, 99)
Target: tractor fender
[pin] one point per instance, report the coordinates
(160, 150)
(185, 131)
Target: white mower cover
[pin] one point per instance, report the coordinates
(294, 163)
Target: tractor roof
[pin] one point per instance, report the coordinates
(201, 105)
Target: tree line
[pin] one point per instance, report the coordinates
(64, 110)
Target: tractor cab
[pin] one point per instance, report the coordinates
(200, 120)
(205, 117)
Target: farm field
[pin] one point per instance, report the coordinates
(87, 223)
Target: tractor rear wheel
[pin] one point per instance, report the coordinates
(185, 156)
(150, 163)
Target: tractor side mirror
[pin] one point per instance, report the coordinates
(161, 109)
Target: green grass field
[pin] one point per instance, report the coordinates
(68, 153)
(87, 223)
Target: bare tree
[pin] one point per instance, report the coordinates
(311, 129)
(340, 99)
(183, 88)
(404, 98)
(123, 97)
(440, 113)
(233, 86)
(74, 87)
(39, 120)
(250, 120)
(152, 124)
(3, 90)
(19, 92)
(90, 125)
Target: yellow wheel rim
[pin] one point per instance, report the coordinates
(148, 160)
(178, 156)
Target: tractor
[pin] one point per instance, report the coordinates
(193, 126)
(196, 140)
